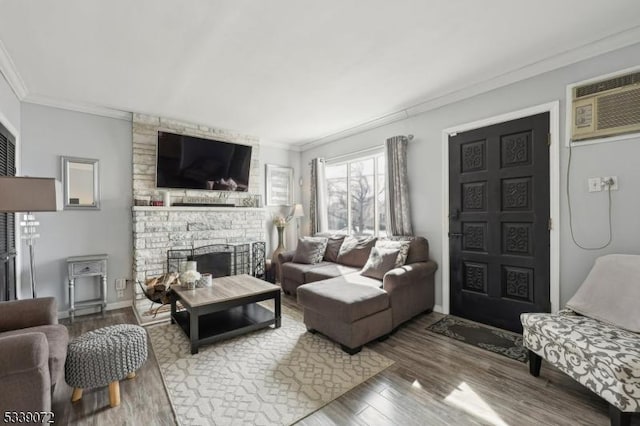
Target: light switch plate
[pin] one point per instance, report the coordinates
(121, 283)
(595, 184)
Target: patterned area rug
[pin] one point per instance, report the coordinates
(483, 336)
(271, 376)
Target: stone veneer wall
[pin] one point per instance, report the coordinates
(145, 140)
(158, 229)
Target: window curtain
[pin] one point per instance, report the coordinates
(318, 203)
(398, 205)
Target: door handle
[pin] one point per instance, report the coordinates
(456, 234)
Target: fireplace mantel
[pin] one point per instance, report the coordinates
(196, 209)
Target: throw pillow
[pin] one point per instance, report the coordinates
(310, 250)
(355, 251)
(381, 261)
(401, 246)
(334, 242)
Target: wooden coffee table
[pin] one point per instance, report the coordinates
(226, 309)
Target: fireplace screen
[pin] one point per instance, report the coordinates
(221, 259)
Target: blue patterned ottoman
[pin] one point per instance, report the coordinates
(104, 357)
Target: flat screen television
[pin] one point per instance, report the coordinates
(189, 162)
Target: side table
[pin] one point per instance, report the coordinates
(87, 266)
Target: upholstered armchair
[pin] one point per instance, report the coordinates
(33, 349)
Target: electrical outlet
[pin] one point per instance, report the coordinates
(120, 294)
(595, 184)
(610, 183)
(121, 283)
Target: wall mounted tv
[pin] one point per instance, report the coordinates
(189, 162)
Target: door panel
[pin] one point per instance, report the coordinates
(498, 222)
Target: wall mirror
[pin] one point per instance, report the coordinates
(80, 178)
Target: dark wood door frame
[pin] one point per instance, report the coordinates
(553, 108)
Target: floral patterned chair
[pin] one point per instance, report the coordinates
(596, 340)
(604, 358)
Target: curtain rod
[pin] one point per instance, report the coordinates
(362, 151)
(359, 152)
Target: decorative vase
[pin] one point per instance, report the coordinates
(207, 280)
(277, 251)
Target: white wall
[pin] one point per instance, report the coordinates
(48, 133)
(425, 166)
(287, 158)
(9, 107)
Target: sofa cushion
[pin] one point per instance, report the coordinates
(310, 250)
(381, 261)
(334, 242)
(57, 338)
(355, 251)
(343, 301)
(418, 248)
(329, 270)
(611, 291)
(296, 271)
(401, 246)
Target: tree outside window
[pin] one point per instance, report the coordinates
(356, 196)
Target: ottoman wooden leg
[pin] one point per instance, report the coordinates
(131, 375)
(77, 395)
(114, 393)
(535, 361)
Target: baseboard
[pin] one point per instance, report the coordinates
(93, 310)
(437, 308)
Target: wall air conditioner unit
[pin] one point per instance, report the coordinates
(606, 108)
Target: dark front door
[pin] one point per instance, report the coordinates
(499, 221)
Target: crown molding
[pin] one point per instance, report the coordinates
(368, 125)
(11, 74)
(285, 146)
(78, 107)
(607, 44)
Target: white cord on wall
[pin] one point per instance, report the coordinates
(608, 184)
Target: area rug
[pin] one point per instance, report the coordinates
(482, 336)
(268, 377)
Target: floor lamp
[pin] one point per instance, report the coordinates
(27, 195)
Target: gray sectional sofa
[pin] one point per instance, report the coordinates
(353, 309)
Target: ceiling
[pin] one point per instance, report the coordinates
(287, 71)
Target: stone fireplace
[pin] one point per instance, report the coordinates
(159, 229)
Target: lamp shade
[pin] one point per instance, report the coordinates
(297, 211)
(29, 194)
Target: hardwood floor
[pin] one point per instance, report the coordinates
(143, 399)
(434, 381)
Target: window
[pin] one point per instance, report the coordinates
(356, 196)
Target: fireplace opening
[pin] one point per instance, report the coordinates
(216, 264)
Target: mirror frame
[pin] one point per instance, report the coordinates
(65, 161)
